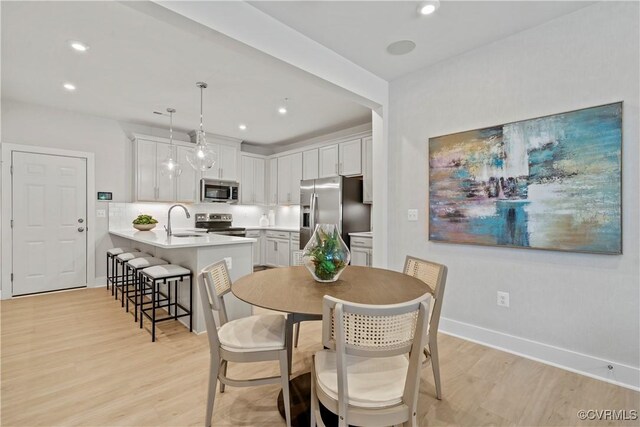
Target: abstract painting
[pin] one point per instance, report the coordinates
(552, 182)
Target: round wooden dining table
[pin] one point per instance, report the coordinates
(293, 290)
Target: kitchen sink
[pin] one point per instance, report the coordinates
(188, 235)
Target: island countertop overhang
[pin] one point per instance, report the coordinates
(159, 239)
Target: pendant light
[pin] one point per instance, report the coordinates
(202, 157)
(170, 166)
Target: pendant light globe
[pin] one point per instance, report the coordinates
(170, 167)
(202, 157)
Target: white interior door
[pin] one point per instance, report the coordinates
(49, 222)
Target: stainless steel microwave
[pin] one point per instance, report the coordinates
(212, 190)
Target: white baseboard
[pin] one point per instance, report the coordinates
(99, 282)
(593, 367)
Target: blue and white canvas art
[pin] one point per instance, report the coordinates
(552, 182)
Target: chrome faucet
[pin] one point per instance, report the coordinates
(168, 226)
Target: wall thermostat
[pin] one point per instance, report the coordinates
(105, 195)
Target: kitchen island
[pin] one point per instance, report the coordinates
(196, 251)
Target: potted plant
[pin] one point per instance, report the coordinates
(144, 222)
(326, 255)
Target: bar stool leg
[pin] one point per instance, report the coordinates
(169, 301)
(153, 312)
(143, 284)
(191, 302)
(107, 271)
(175, 304)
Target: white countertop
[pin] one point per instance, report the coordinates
(159, 238)
(275, 228)
(368, 234)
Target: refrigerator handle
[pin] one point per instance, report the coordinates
(312, 225)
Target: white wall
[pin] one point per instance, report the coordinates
(588, 304)
(109, 140)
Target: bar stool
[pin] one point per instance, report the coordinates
(111, 253)
(150, 279)
(132, 268)
(122, 280)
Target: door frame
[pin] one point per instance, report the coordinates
(6, 209)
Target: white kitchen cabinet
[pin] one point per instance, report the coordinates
(367, 170)
(272, 191)
(187, 183)
(350, 155)
(252, 182)
(360, 256)
(310, 164)
(289, 177)
(277, 252)
(361, 251)
(146, 169)
(226, 165)
(257, 246)
(328, 161)
(296, 253)
(150, 184)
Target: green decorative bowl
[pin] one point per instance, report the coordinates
(144, 227)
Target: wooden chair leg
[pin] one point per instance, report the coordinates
(284, 375)
(223, 367)
(211, 396)
(435, 365)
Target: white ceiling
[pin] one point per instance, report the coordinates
(361, 30)
(139, 62)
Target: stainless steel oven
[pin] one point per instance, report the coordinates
(212, 190)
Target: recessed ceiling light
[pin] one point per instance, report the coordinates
(242, 127)
(282, 110)
(78, 46)
(401, 47)
(428, 7)
(69, 86)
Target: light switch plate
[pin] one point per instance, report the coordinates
(412, 214)
(101, 213)
(228, 261)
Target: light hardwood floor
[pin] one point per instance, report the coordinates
(76, 358)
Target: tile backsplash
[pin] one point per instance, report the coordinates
(122, 214)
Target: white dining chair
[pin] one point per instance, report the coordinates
(435, 277)
(364, 376)
(255, 338)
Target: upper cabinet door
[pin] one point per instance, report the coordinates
(351, 158)
(259, 179)
(165, 186)
(367, 170)
(284, 180)
(247, 181)
(310, 164)
(328, 161)
(146, 159)
(295, 177)
(187, 182)
(272, 193)
(228, 162)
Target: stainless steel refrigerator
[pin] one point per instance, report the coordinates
(336, 200)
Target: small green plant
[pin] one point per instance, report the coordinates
(145, 219)
(327, 256)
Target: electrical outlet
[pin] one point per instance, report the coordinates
(228, 261)
(412, 214)
(101, 213)
(503, 299)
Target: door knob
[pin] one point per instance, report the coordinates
(80, 220)
(81, 229)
